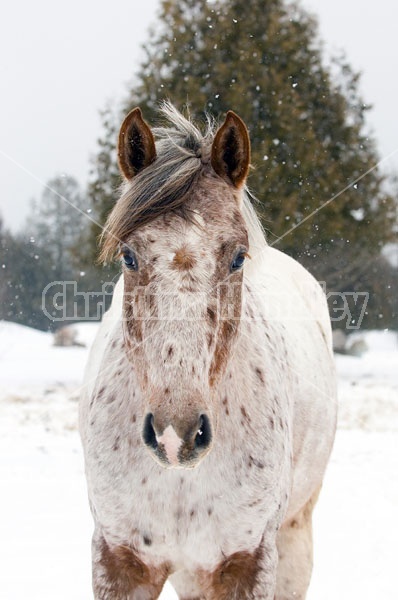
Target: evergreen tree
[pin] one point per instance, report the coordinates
(52, 247)
(58, 223)
(262, 59)
(25, 272)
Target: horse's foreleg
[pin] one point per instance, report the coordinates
(244, 576)
(294, 543)
(118, 574)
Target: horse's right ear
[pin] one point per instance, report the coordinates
(230, 153)
(136, 145)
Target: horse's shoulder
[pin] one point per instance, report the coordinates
(107, 330)
(297, 279)
(285, 265)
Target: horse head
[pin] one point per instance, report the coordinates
(182, 240)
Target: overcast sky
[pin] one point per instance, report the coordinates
(61, 62)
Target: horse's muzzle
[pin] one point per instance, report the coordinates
(180, 443)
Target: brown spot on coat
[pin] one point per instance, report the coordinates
(183, 260)
(134, 326)
(235, 577)
(225, 403)
(211, 315)
(255, 462)
(260, 375)
(244, 413)
(226, 332)
(123, 573)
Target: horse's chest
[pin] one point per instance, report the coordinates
(189, 517)
(190, 521)
(195, 524)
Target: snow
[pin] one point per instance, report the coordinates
(390, 252)
(45, 522)
(27, 356)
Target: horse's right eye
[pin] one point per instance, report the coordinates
(130, 260)
(238, 261)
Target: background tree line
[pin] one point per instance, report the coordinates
(51, 247)
(263, 59)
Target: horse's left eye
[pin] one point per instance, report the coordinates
(238, 261)
(130, 260)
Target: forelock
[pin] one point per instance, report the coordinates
(182, 153)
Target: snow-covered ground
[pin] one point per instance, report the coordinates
(45, 524)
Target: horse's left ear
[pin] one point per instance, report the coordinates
(230, 153)
(136, 145)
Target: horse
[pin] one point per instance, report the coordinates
(209, 406)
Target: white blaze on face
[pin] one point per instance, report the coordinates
(171, 443)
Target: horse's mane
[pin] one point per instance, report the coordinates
(182, 153)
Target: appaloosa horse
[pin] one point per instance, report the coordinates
(209, 408)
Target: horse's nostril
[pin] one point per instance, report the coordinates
(203, 435)
(148, 433)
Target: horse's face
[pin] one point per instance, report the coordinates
(182, 306)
